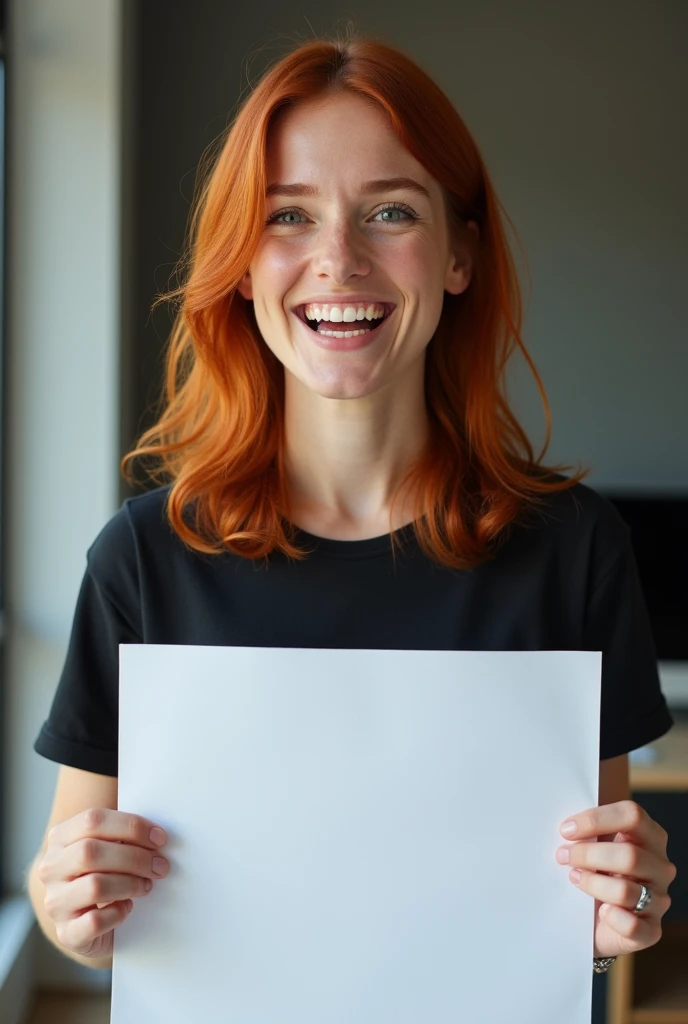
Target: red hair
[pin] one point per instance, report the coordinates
(219, 439)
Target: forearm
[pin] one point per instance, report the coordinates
(36, 893)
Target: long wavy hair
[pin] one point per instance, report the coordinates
(219, 437)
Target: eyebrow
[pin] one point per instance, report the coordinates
(368, 188)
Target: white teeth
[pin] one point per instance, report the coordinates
(345, 334)
(337, 314)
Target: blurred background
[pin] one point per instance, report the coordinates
(579, 109)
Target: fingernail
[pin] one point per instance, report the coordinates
(569, 828)
(563, 855)
(575, 875)
(160, 866)
(148, 884)
(157, 836)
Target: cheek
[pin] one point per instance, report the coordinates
(273, 273)
(414, 260)
(277, 262)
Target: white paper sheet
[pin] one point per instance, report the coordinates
(357, 836)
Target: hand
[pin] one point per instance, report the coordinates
(612, 873)
(93, 863)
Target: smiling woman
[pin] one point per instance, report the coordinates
(348, 183)
(389, 262)
(334, 393)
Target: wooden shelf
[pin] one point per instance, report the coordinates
(670, 771)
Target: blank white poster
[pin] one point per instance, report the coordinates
(357, 836)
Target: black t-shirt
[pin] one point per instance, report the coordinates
(565, 579)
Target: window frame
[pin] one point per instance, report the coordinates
(4, 724)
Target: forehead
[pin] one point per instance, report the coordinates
(340, 137)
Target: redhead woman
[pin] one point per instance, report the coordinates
(336, 466)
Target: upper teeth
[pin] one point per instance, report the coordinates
(347, 314)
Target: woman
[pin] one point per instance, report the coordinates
(338, 468)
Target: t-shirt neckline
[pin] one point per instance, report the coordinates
(370, 547)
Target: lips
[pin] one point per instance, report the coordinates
(373, 331)
(345, 325)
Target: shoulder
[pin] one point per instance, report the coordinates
(140, 523)
(576, 529)
(146, 515)
(580, 514)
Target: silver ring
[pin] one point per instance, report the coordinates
(644, 901)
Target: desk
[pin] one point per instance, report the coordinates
(651, 987)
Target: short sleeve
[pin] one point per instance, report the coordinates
(633, 709)
(82, 726)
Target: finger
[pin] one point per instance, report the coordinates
(105, 823)
(80, 933)
(623, 816)
(63, 902)
(618, 858)
(643, 932)
(620, 892)
(95, 855)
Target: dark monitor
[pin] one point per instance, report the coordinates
(659, 536)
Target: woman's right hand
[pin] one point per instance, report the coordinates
(93, 865)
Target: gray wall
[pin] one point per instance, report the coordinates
(579, 111)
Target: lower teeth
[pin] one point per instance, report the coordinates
(344, 334)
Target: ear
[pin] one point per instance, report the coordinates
(460, 266)
(245, 286)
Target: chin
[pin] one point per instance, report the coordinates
(340, 385)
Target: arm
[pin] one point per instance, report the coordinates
(75, 791)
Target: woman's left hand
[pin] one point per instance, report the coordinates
(611, 872)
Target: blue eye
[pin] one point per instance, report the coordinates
(396, 208)
(283, 213)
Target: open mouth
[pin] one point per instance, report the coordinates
(319, 326)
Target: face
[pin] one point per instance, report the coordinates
(343, 238)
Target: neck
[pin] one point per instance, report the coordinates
(345, 458)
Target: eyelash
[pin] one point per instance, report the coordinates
(390, 206)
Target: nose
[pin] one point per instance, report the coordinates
(340, 253)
